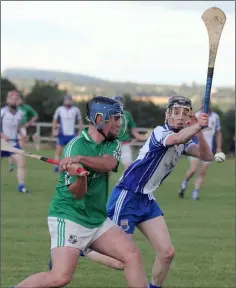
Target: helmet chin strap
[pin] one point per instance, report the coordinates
(109, 137)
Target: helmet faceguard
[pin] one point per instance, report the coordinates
(178, 112)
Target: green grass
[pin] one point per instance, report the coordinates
(203, 232)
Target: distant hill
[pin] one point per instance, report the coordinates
(47, 75)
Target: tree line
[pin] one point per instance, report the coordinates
(45, 97)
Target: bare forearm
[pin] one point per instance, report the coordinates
(98, 164)
(187, 133)
(79, 187)
(218, 141)
(137, 135)
(204, 149)
(54, 124)
(31, 122)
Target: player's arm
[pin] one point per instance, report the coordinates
(218, 136)
(55, 122)
(201, 151)
(79, 187)
(137, 135)
(184, 135)
(3, 136)
(33, 115)
(80, 121)
(102, 164)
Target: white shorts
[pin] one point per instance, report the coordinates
(194, 158)
(126, 154)
(65, 233)
(23, 132)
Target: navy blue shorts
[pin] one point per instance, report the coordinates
(8, 154)
(62, 140)
(128, 209)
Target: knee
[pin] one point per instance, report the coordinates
(168, 254)
(133, 255)
(61, 279)
(193, 170)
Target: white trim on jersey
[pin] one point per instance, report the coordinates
(154, 163)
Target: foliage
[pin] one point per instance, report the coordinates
(45, 97)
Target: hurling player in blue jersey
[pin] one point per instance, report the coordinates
(132, 203)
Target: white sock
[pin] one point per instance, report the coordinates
(184, 184)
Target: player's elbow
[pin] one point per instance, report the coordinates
(110, 163)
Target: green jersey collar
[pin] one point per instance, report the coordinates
(86, 135)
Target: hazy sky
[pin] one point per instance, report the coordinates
(143, 41)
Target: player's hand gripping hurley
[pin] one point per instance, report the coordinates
(214, 19)
(7, 147)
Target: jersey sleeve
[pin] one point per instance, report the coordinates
(218, 125)
(114, 149)
(56, 114)
(31, 112)
(72, 149)
(160, 135)
(131, 123)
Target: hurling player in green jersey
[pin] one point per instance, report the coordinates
(77, 218)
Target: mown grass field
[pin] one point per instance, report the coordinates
(202, 232)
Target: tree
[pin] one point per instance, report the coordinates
(45, 97)
(6, 86)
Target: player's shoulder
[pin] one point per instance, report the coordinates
(4, 109)
(115, 143)
(215, 115)
(160, 129)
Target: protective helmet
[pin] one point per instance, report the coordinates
(104, 106)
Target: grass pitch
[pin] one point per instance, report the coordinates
(202, 232)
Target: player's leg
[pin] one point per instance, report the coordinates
(156, 232)
(126, 155)
(20, 162)
(11, 164)
(65, 260)
(104, 260)
(58, 152)
(23, 141)
(194, 162)
(113, 242)
(64, 252)
(200, 179)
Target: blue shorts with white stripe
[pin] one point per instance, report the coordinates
(129, 209)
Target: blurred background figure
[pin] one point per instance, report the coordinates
(126, 137)
(11, 119)
(67, 116)
(213, 136)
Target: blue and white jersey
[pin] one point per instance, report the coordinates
(214, 124)
(10, 123)
(67, 118)
(153, 164)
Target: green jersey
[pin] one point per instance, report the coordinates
(129, 122)
(28, 112)
(90, 211)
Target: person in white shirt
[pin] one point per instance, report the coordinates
(213, 136)
(132, 202)
(67, 116)
(11, 119)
